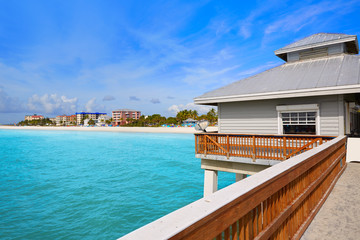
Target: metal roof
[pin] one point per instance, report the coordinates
(320, 76)
(320, 40)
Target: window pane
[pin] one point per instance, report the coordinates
(311, 114)
(299, 129)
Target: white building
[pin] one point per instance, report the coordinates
(80, 116)
(313, 92)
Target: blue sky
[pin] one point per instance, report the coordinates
(154, 56)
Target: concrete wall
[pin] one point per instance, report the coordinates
(261, 117)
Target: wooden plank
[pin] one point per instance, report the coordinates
(234, 231)
(241, 229)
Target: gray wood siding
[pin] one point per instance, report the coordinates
(261, 117)
(256, 117)
(329, 118)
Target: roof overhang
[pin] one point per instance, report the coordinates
(346, 89)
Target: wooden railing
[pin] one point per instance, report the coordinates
(276, 203)
(274, 147)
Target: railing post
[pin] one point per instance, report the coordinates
(228, 146)
(205, 144)
(284, 148)
(196, 143)
(254, 149)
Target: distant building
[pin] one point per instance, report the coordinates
(88, 115)
(53, 120)
(65, 120)
(121, 116)
(101, 121)
(34, 117)
(190, 121)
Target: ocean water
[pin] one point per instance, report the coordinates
(93, 185)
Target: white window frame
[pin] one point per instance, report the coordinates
(298, 108)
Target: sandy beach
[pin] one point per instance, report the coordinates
(115, 129)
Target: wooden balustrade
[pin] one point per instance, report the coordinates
(274, 147)
(277, 203)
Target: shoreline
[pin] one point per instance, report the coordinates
(113, 129)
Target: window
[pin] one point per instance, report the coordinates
(299, 122)
(298, 119)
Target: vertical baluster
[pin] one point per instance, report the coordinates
(251, 224)
(241, 229)
(234, 231)
(227, 234)
(247, 226)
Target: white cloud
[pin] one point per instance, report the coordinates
(308, 15)
(155, 100)
(52, 104)
(109, 98)
(134, 98)
(205, 76)
(258, 69)
(200, 108)
(9, 104)
(92, 106)
(246, 26)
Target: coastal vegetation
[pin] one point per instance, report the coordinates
(156, 120)
(37, 122)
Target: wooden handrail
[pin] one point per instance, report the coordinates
(274, 147)
(303, 148)
(218, 145)
(277, 203)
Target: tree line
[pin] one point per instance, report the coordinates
(156, 120)
(37, 122)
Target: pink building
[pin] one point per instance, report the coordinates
(121, 116)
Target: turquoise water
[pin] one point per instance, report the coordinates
(93, 185)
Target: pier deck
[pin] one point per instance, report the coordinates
(339, 217)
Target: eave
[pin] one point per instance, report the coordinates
(346, 89)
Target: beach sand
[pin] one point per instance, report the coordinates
(115, 129)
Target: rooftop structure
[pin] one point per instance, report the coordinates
(322, 64)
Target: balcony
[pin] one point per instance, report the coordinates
(254, 147)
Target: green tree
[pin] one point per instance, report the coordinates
(212, 116)
(171, 120)
(91, 122)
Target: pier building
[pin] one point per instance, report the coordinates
(292, 125)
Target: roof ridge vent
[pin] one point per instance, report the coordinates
(336, 43)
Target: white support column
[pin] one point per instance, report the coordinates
(210, 182)
(341, 115)
(239, 176)
(347, 118)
